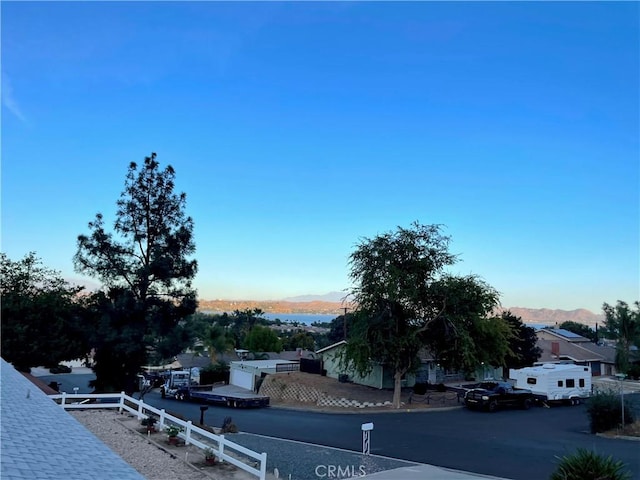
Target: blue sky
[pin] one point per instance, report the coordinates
(297, 129)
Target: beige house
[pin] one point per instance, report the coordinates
(561, 346)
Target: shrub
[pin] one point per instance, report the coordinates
(173, 430)
(587, 465)
(228, 426)
(634, 371)
(420, 388)
(214, 373)
(605, 411)
(148, 421)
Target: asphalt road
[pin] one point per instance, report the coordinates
(515, 444)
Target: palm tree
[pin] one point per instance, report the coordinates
(217, 341)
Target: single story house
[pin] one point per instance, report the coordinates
(559, 346)
(382, 376)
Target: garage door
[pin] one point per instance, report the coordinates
(240, 378)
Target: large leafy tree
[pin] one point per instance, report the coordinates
(299, 339)
(401, 293)
(42, 319)
(262, 339)
(144, 263)
(464, 335)
(523, 345)
(241, 322)
(622, 323)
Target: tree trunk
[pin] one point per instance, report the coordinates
(397, 388)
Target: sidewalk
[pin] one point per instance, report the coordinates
(422, 472)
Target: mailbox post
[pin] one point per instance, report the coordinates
(203, 408)
(366, 438)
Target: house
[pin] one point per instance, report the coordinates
(382, 376)
(561, 346)
(379, 377)
(191, 360)
(41, 440)
(245, 373)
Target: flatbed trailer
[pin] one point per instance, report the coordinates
(228, 395)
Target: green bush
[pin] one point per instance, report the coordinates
(214, 373)
(420, 388)
(634, 371)
(604, 409)
(587, 465)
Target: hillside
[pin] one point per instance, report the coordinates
(551, 317)
(529, 315)
(275, 306)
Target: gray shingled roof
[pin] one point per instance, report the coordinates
(40, 441)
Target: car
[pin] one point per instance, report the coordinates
(491, 395)
(60, 369)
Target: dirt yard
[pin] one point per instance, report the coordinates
(296, 389)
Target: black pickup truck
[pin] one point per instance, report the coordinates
(492, 395)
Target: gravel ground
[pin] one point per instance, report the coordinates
(150, 457)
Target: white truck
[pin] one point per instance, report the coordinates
(554, 382)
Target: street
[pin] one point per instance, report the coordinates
(515, 444)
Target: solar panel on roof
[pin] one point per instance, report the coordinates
(566, 333)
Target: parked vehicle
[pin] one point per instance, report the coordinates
(550, 382)
(179, 385)
(60, 369)
(493, 395)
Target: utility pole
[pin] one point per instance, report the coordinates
(345, 323)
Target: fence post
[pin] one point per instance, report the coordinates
(64, 397)
(263, 466)
(221, 447)
(187, 434)
(162, 419)
(140, 404)
(120, 408)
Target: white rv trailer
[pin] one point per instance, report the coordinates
(554, 382)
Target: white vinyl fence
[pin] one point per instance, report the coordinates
(243, 458)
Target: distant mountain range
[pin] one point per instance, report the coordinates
(547, 316)
(332, 304)
(327, 297)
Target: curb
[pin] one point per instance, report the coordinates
(343, 411)
(619, 437)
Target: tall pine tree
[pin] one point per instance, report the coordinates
(145, 266)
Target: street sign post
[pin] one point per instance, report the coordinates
(366, 438)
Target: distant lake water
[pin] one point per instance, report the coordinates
(306, 318)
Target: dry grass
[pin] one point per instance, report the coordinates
(632, 430)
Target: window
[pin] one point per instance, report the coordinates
(560, 383)
(531, 381)
(571, 383)
(581, 382)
